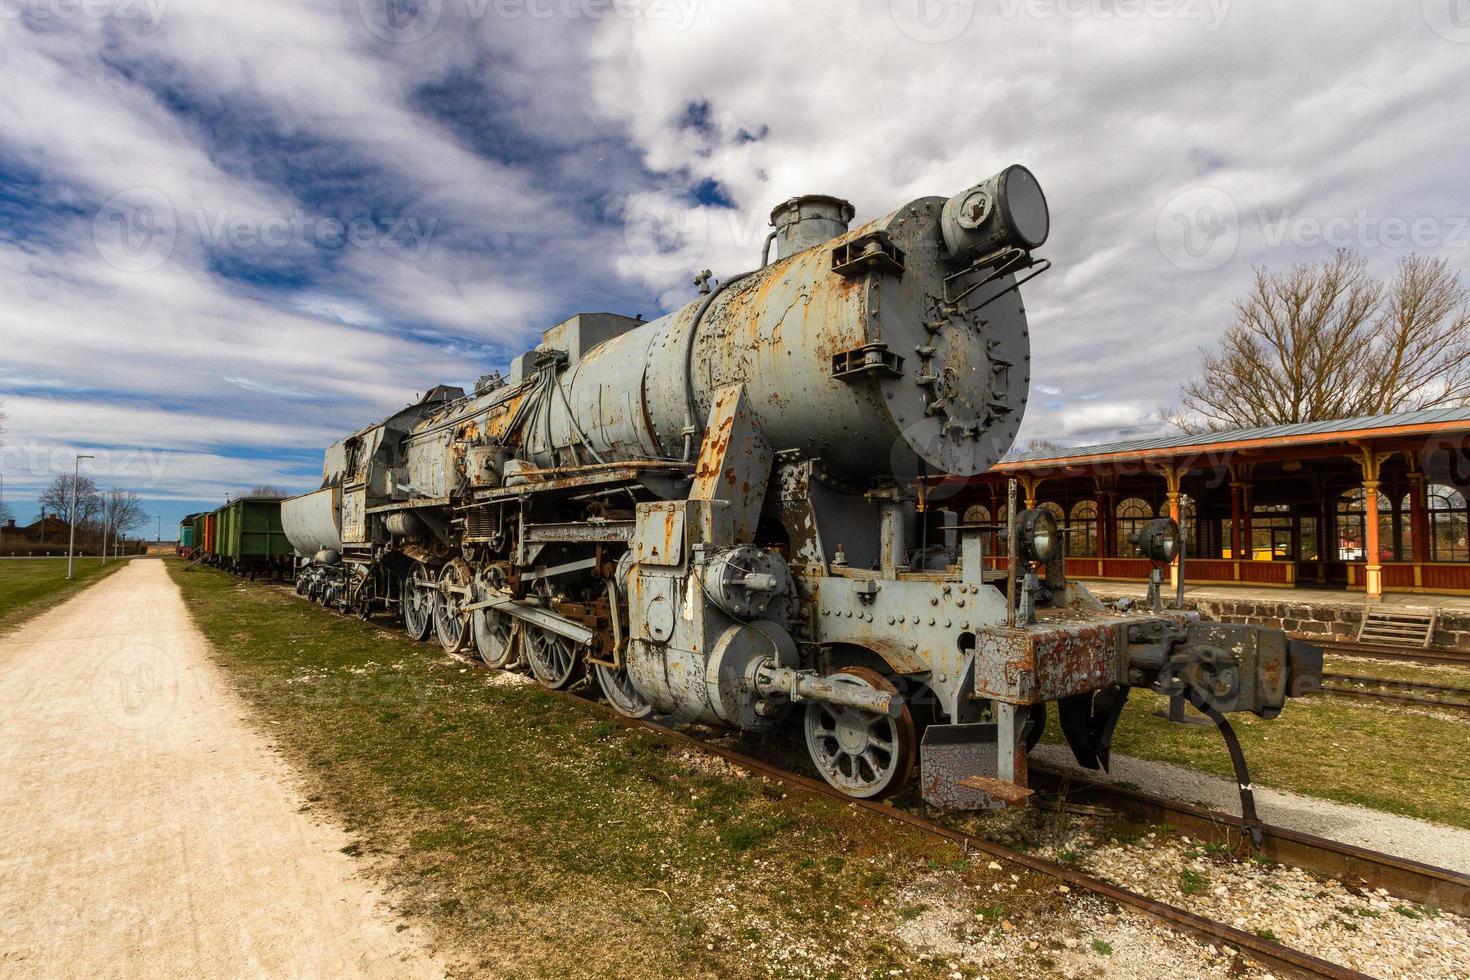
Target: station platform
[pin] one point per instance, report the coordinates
(1326, 613)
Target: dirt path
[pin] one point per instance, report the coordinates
(146, 829)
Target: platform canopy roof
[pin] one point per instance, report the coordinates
(1334, 433)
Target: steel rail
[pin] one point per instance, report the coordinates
(1281, 958)
(1414, 881)
(1285, 959)
(1389, 697)
(1408, 654)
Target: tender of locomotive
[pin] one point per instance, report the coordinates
(718, 514)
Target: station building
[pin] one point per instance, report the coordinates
(1372, 506)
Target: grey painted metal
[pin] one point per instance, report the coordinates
(803, 222)
(740, 473)
(312, 521)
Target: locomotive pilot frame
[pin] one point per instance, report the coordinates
(716, 515)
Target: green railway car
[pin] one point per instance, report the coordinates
(249, 538)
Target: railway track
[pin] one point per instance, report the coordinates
(1457, 658)
(1407, 879)
(1393, 691)
(1412, 881)
(1275, 956)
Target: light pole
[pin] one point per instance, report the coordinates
(71, 543)
(104, 529)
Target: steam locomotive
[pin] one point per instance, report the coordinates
(720, 515)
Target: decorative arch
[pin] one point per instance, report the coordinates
(1132, 515)
(1082, 529)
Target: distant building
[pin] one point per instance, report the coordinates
(49, 529)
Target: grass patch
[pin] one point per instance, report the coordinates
(1102, 947)
(29, 586)
(1321, 747)
(537, 837)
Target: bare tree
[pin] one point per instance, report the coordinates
(266, 490)
(122, 510)
(1044, 446)
(1327, 341)
(57, 497)
(1421, 340)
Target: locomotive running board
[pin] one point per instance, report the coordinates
(536, 616)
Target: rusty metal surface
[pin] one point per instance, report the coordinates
(1048, 660)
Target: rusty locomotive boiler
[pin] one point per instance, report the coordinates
(716, 515)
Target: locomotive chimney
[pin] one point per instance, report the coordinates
(808, 220)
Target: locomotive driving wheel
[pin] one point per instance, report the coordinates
(863, 754)
(419, 600)
(620, 692)
(452, 625)
(494, 636)
(554, 659)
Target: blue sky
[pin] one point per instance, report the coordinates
(231, 232)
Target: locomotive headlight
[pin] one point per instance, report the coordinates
(1006, 211)
(1036, 535)
(1158, 541)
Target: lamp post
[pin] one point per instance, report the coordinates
(71, 543)
(104, 529)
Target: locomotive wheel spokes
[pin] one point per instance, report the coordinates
(862, 754)
(555, 660)
(494, 637)
(452, 625)
(419, 595)
(621, 693)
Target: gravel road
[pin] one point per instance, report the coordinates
(146, 829)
